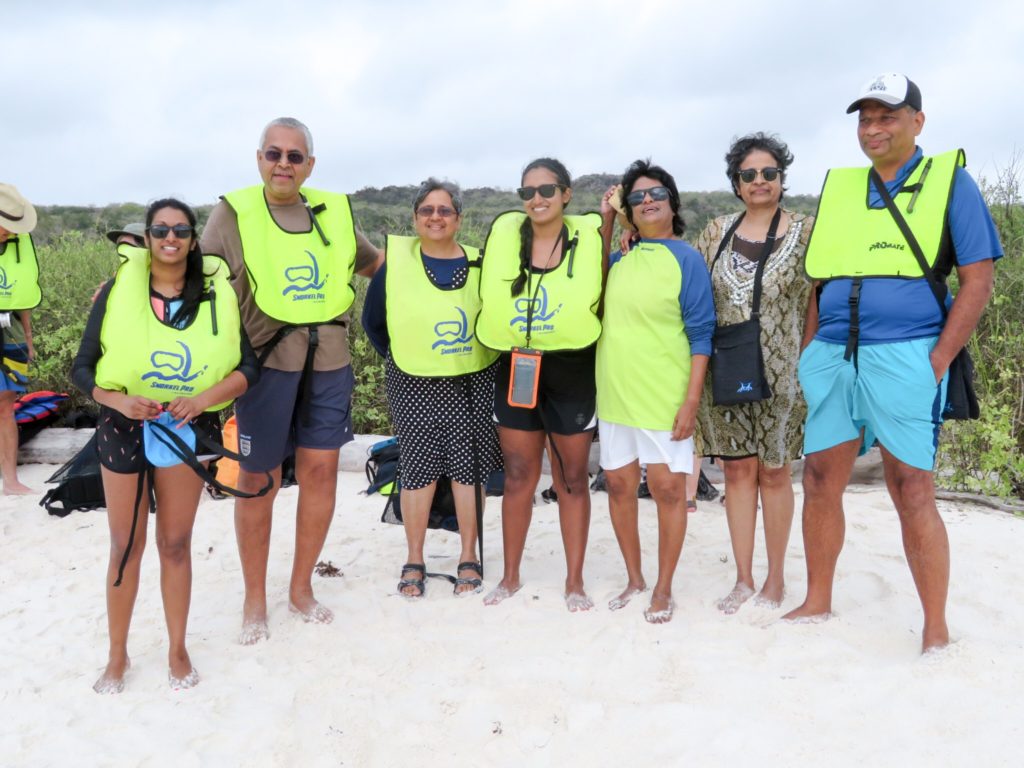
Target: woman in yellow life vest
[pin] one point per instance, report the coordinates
(757, 441)
(659, 318)
(540, 288)
(419, 313)
(163, 337)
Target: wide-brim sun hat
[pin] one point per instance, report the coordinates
(135, 230)
(16, 213)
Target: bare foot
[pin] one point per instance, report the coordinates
(770, 597)
(578, 601)
(189, 680)
(112, 679)
(503, 591)
(254, 621)
(179, 665)
(631, 591)
(661, 609)
(934, 639)
(807, 615)
(14, 488)
(253, 631)
(732, 602)
(311, 611)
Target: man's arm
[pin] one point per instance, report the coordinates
(976, 282)
(368, 256)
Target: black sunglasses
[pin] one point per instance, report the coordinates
(637, 195)
(442, 210)
(294, 157)
(546, 190)
(160, 231)
(747, 175)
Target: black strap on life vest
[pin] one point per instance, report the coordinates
(853, 338)
(306, 382)
(144, 475)
(187, 455)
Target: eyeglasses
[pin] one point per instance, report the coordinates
(294, 156)
(160, 231)
(747, 175)
(426, 211)
(546, 190)
(637, 195)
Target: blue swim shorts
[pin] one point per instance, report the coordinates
(891, 394)
(270, 416)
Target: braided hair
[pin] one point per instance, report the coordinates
(526, 228)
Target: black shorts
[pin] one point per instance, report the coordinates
(566, 395)
(119, 440)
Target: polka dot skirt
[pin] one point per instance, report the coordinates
(438, 421)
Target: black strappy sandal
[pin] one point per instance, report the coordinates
(418, 584)
(477, 582)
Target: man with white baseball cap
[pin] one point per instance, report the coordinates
(19, 293)
(886, 238)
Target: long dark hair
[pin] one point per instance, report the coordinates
(193, 292)
(640, 168)
(526, 228)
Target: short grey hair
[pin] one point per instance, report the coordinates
(432, 184)
(288, 122)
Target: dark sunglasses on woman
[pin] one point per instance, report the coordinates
(637, 195)
(160, 231)
(747, 175)
(546, 191)
(426, 211)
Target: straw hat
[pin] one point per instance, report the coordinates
(16, 213)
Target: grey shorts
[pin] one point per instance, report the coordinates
(269, 414)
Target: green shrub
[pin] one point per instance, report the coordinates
(987, 455)
(71, 268)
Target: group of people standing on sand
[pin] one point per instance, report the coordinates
(495, 357)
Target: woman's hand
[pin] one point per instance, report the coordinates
(607, 209)
(685, 421)
(626, 239)
(137, 407)
(184, 409)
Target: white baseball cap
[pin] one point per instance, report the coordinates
(892, 89)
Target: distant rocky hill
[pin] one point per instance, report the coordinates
(389, 209)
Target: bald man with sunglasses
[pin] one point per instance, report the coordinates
(292, 251)
(885, 239)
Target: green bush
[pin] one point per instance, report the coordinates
(71, 268)
(987, 455)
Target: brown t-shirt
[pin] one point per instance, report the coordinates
(221, 238)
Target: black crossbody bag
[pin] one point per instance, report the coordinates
(737, 360)
(961, 399)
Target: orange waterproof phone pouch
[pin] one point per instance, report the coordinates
(525, 377)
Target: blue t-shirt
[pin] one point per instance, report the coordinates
(375, 316)
(897, 309)
(696, 299)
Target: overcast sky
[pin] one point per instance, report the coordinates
(130, 101)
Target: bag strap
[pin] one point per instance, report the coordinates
(726, 239)
(766, 252)
(181, 449)
(939, 289)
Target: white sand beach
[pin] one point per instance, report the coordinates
(452, 682)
